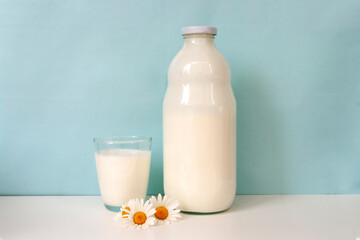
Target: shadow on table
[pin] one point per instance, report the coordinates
(245, 202)
(241, 203)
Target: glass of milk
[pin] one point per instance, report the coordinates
(123, 166)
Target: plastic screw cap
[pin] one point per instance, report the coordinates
(198, 29)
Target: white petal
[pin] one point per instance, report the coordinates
(151, 212)
(126, 224)
(146, 208)
(150, 221)
(177, 215)
(153, 199)
(145, 205)
(126, 210)
(174, 211)
(172, 205)
(160, 222)
(130, 203)
(155, 204)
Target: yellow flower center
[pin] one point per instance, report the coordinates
(161, 213)
(139, 218)
(125, 214)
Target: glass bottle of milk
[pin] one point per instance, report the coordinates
(199, 126)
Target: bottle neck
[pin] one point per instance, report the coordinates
(199, 40)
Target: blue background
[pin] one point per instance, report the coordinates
(73, 70)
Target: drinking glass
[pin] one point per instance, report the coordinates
(123, 166)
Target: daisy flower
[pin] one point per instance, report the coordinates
(123, 213)
(166, 211)
(138, 215)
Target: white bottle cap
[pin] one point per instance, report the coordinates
(198, 29)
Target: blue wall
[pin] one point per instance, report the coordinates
(72, 70)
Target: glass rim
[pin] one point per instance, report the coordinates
(122, 139)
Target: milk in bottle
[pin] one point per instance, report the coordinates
(199, 126)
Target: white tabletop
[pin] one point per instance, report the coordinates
(262, 217)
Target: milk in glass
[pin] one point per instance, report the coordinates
(122, 174)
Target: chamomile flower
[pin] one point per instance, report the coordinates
(123, 211)
(139, 215)
(166, 211)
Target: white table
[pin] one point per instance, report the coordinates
(262, 217)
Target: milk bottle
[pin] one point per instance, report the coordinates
(199, 126)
